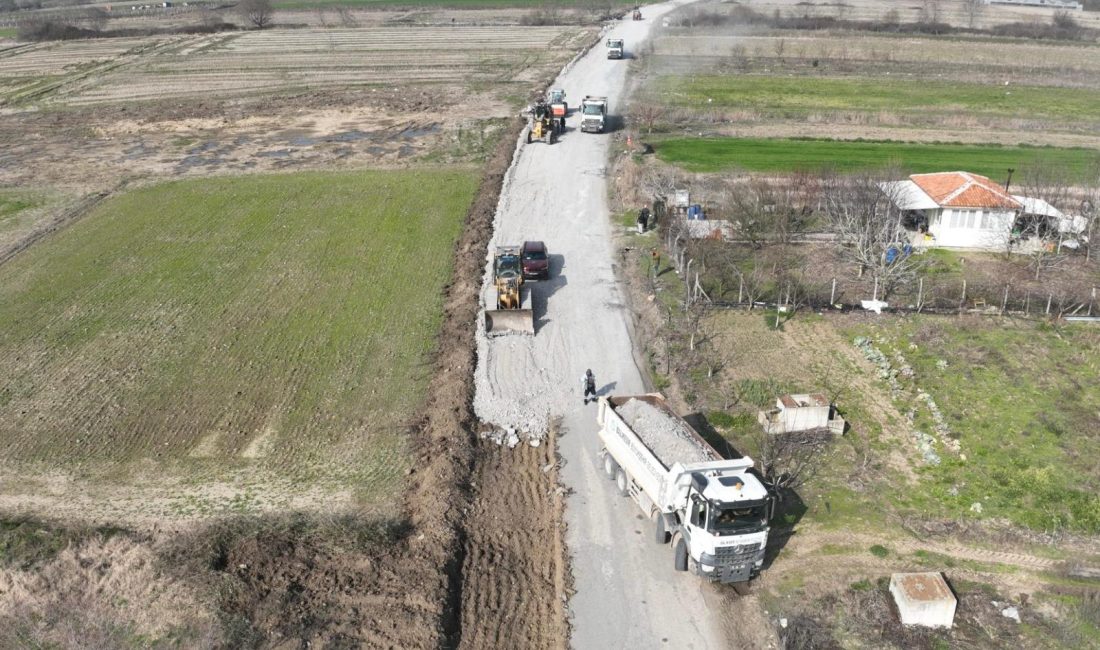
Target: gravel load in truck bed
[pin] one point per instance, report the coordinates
(668, 437)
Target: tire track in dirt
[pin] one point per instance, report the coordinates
(514, 569)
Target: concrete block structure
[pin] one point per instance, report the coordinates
(800, 413)
(923, 599)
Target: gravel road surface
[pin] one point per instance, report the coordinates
(627, 594)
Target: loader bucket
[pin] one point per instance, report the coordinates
(509, 321)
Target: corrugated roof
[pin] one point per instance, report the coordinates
(964, 190)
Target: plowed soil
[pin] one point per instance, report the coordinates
(515, 569)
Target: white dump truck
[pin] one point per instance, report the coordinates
(614, 48)
(593, 114)
(714, 511)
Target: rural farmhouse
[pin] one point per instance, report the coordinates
(964, 210)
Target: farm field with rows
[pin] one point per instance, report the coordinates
(264, 325)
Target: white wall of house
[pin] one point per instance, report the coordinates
(971, 227)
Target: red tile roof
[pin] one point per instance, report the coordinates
(964, 190)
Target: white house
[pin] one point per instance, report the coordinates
(956, 209)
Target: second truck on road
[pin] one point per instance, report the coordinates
(715, 511)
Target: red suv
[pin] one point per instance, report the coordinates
(535, 260)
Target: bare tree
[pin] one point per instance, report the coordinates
(648, 113)
(863, 213)
(1050, 185)
(973, 10)
(789, 460)
(930, 12)
(257, 12)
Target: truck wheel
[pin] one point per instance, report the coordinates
(742, 588)
(622, 483)
(609, 466)
(661, 534)
(680, 555)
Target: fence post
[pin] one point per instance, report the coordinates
(920, 295)
(741, 289)
(1004, 301)
(1027, 304)
(962, 301)
(832, 294)
(875, 296)
(1092, 299)
(1050, 297)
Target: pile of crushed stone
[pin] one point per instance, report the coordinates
(669, 438)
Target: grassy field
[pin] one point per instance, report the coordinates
(786, 155)
(1020, 399)
(793, 96)
(12, 203)
(280, 320)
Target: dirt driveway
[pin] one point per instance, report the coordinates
(626, 592)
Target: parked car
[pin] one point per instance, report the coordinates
(535, 260)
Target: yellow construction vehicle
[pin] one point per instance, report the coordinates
(540, 123)
(513, 312)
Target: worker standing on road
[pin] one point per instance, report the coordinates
(588, 383)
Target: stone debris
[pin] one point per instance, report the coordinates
(1011, 612)
(668, 437)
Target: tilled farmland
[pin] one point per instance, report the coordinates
(160, 68)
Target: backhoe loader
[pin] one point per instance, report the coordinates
(540, 123)
(513, 313)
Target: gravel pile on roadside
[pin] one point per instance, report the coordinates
(668, 437)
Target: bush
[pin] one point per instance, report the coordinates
(879, 551)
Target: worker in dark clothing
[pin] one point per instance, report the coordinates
(588, 382)
(643, 220)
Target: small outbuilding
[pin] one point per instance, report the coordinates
(923, 599)
(803, 412)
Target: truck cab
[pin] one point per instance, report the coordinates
(725, 530)
(614, 48)
(593, 114)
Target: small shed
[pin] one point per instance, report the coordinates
(923, 599)
(801, 412)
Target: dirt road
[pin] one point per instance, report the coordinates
(627, 594)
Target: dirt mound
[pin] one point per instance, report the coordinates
(515, 569)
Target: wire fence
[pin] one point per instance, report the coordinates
(926, 294)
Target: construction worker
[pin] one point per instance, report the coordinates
(588, 383)
(655, 255)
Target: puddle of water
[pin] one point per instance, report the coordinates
(203, 148)
(276, 153)
(405, 150)
(412, 134)
(191, 162)
(139, 150)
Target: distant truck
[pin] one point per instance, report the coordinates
(714, 511)
(593, 114)
(614, 48)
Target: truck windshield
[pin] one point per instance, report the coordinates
(737, 518)
(593, 109)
